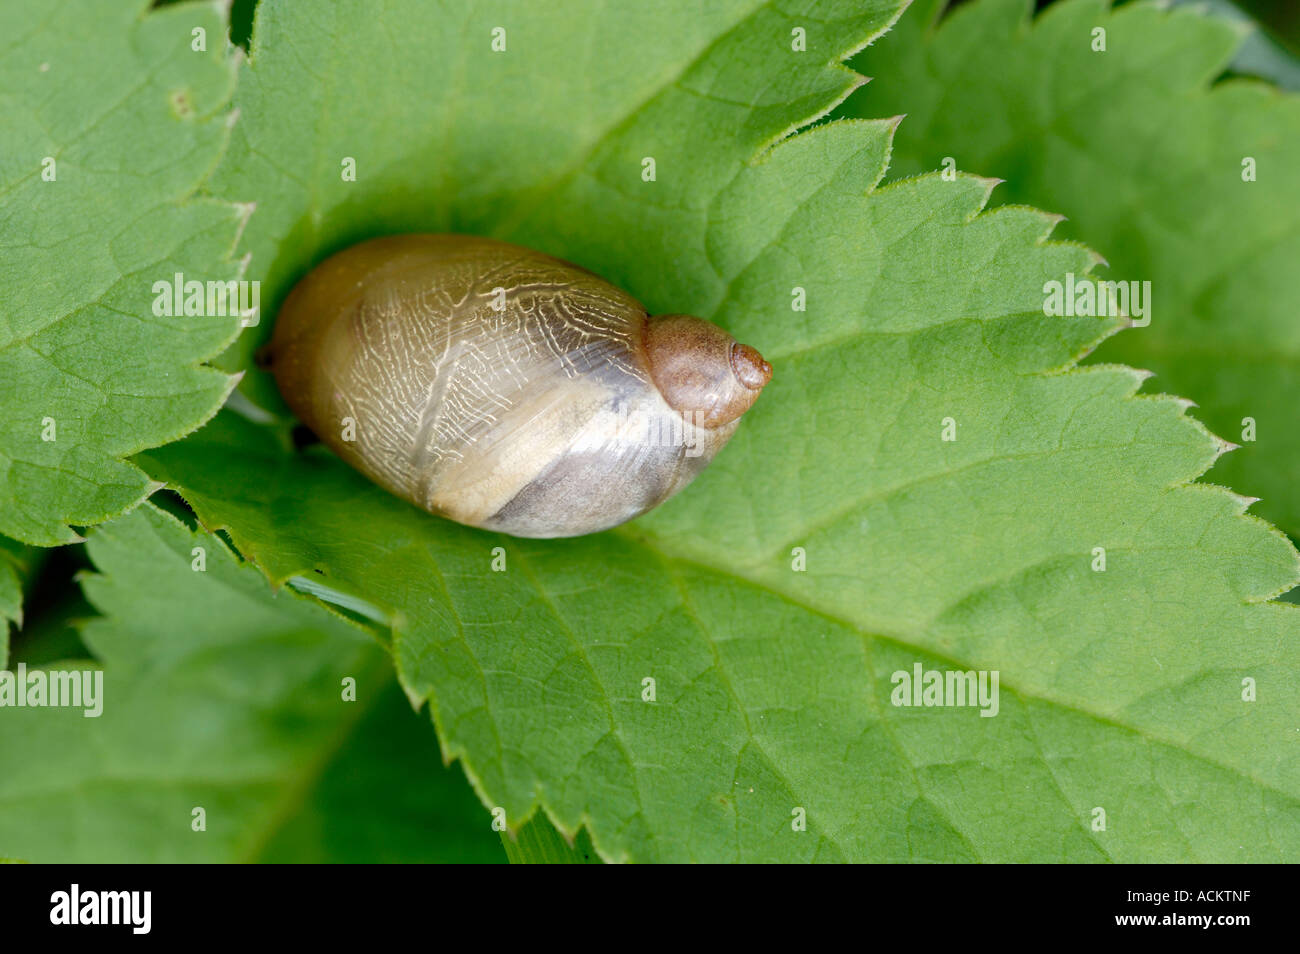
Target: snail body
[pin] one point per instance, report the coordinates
(503, 388)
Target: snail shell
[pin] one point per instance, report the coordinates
(503, 388)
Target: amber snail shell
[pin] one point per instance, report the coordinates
(504, 388)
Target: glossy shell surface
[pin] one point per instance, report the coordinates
(487, 383)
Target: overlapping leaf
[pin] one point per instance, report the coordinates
(219, 695)
(14, 558)
(1146, 157)
(109, 121)
(681, 685)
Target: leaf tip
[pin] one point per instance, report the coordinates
(987, 184)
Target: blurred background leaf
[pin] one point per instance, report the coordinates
(222, 695)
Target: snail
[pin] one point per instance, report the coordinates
(503, 388)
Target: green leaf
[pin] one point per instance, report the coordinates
(383, 799)
(15, 561)
(538, 843)
(109, 124)
(1145, 156)
(1260, 54)
(219, 694)
(771, 688)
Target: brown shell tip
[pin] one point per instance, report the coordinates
(751, 370)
